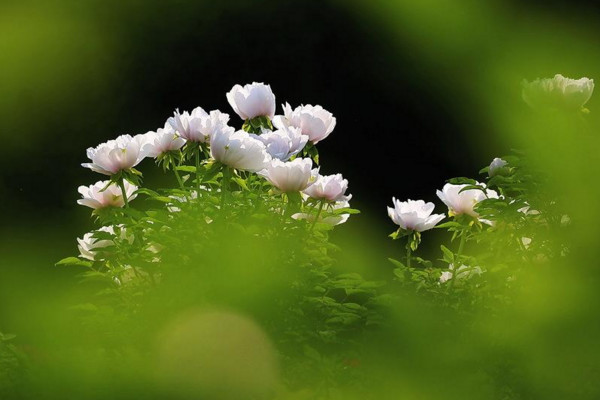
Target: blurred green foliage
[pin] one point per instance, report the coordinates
(542, 344)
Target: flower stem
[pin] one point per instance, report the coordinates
(321, 204)
(224, 185)
(408, 254)
(198, 169)
(457, 263)
(123, 192)
(178, 178)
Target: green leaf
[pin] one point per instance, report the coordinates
(396, 263)
(346, 210)
(448, 254)
(462, 181)
(186, 168)
(74, 261)
(241, 182)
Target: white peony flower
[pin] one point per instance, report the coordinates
(94, 197)
(199, 125)
(414, 215)
(116, 155)
(325, 218)
(291, 176)
(557, 92)
(253, 100)
(162, 141)
(330, 188)
(283, 143)
(496, 166)
(89, 244)
(463, 272)
(463, 202)
(314, 121)
(237, 149)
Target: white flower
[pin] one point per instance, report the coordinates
(496, 166)
(182, 199)
(291, 176)
(94, 197)
(88, 245)
(330, 188)
(253, 100)
(199, 125)
(463, 202)
(463, 272)
(237, 149)
(314, 121)
(283, 143)
(116, 155)
(162, 141)
(325, 218)
(446, 276)
(557, 92)
(414, 215)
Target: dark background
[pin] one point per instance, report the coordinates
(405, 122)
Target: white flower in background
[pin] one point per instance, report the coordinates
(463, 272)
(162, 141)
(314, 121)
(330, 188)
(496, 166)
(283, 143)
(199, 125)
(290, 176)
(414, 215)
(88, 245)
(116, 155)
(193, 195)
(527, 210)
(557, 92)
(253, 100)
(463, 202)
(325, 217)
(237, 149)
(94, 197)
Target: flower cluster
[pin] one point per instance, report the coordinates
(199, 146)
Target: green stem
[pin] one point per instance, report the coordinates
(178, 178)
(408, 254)
(123, 192)
(461, 245)
(321, 204)
(198, 169)
(224, 185)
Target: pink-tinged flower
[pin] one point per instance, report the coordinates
(237, 149)
(94, 197)
(283, 143)
(291, 176)
(330, 188)
(253, 100)
(116, 155)
(162, 141)
(326, 217)
(463, 202)
(414, 215)
(89, 245)
(199, 125)
(313, 121)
